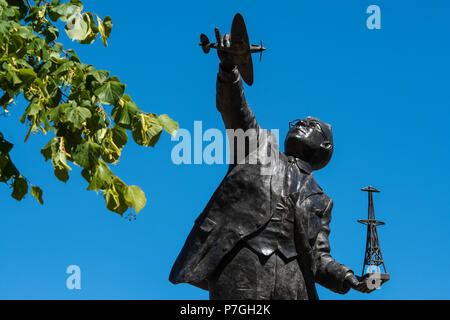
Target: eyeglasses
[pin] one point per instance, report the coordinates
(309, 123)
(294, 123)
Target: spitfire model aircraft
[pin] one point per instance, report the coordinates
(239, 45)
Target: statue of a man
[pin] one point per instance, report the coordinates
(265, 236)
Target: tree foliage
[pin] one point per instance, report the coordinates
(85, 109)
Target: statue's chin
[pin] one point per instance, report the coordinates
(315, 158)
(295, 148)
(296, 155)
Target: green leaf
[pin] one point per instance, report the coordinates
(99, 75)
(4, 26)
(64, 11)
(37, 193)
(26, 75)
(114, 201)
(135, 198)
(25, 32)
(59, 159)
(42, 87)
(107, 24)
(21, 4)
(110, 92)
(105, 29)
(61, 173)
(51, 34)
(5, 146)
(8, 169)
(4, 161)
(58, 47)
(57, 114)
(74, 56)
(47, 150)
(32, 109)
(76, 28)
(20, 188)
(12, 76)
(6, 99)
(36, 44)
(102, 178)
(110, 152)
(86, 154)
(77, 116)
(124, 113)
(119, 136)
(114, 197)
(66, 65)
(92, 29)
(146, 130)
(44, 120)
(168, 124)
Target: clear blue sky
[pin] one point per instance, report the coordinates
(384, 91)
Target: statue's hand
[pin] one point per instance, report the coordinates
(359, 284)
(227, 59)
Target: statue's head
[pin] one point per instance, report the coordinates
(310, 140)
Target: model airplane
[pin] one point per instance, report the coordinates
(239, 45)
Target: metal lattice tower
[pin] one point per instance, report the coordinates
(373, 255)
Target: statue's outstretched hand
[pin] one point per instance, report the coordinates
(227, 59)
(363, 285)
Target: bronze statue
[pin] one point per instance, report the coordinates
(263, 236)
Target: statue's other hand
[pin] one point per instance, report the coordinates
(358, 283)
(227, 59)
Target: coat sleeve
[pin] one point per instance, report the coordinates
(243, 131)
(328, 272)
(231, 103)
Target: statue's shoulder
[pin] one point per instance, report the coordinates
(313, 199)
(311, 188)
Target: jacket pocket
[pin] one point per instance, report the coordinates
(207, 225)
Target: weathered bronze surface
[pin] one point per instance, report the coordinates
(264, 232)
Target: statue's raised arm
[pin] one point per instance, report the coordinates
(234, 51)
(230, 98)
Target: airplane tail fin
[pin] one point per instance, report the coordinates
(204, 42)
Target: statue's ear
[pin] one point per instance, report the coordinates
(327, 145)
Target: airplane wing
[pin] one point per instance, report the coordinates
(239, 37)
(239, 31)
(246, 69)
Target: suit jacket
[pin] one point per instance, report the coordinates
(245, 201)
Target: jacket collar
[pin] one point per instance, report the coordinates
(302, 165)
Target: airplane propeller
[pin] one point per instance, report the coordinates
(260, 55)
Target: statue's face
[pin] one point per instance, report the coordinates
(310, 140)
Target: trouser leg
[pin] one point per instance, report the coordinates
(289, 281)
(242, 275)
(246, 275)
